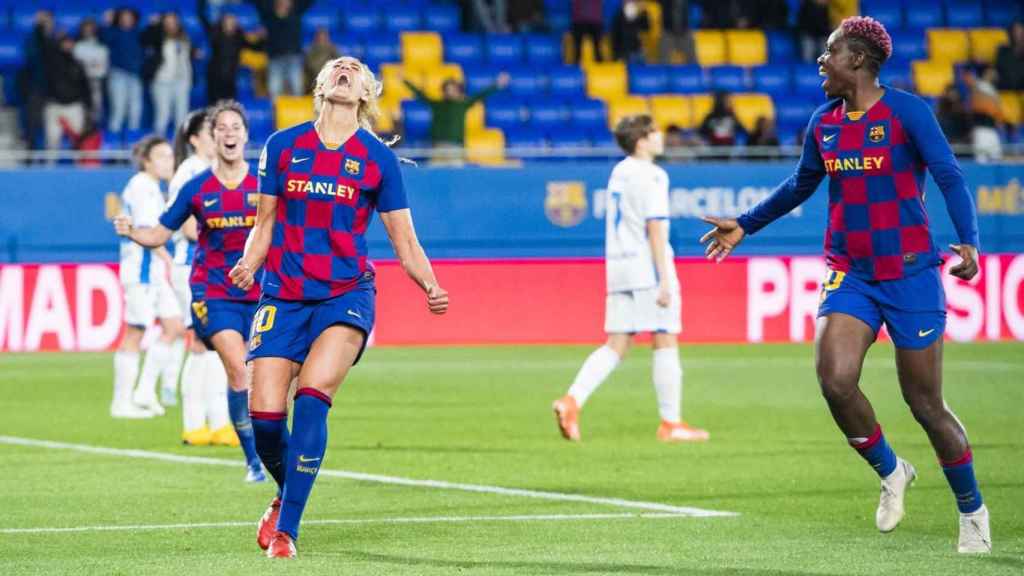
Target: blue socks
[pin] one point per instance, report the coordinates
(238, 409)
(306, 449)
(271, 429)
(960, 475)
(876, 451)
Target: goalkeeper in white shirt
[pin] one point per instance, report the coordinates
(643, 290)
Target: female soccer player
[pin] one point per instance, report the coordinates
(319, 185)
(147, 292)
(874, 143)
(223, 200)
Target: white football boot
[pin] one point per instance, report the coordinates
(890, 503)
(975, 537)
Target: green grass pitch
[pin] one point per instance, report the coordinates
(805, 501)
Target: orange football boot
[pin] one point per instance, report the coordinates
(281, 546)
(681, 432)
(268, 524)
(567, 413)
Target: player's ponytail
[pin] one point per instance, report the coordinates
(192, 126)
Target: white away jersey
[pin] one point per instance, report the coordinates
(637, 192)
(184, 248)
(144, 202)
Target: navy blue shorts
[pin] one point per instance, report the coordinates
(212, 316)
(913, 308)
(288, 328)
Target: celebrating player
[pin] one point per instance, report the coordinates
(643, 291)
(874, 143)
(319, 185)
(223, 200)
(147, 291)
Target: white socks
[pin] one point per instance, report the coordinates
(158, 355)
(193, 402)
(668, 383)
(126, 370)
(169, 377)
(215, 391)
(594, 371)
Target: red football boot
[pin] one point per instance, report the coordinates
(281, 546)
(268, 524)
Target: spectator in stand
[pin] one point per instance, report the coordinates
(33, 77)
(122, 35)
(169, 65)
(587, 20)
(1010, 59)
(952, 116)
(527, 16)
(491, 15)
(764, 133)
(227, 39)
(771, 14)
(986, 115)
(721, 127)
(67, 101)
(629, 21)
(320, 52)
(729, 13)
(813, 26)
(448, 115)
(282, 20)
(676, 35)
(95, 58)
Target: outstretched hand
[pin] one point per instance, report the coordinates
(968, 266)
(722, 239)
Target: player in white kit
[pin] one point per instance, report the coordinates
(643, 290)
(148, 295)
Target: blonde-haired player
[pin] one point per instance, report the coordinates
(643, 291)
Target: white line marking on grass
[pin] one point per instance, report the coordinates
(342, 521)
(380, 479)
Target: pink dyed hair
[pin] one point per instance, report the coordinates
(869, 30)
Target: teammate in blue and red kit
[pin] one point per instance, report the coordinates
(223, 200)
(874, 142)
(320, 183)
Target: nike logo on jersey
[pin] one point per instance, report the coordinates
(305, 460)
(351, 312)
(923, 333)
(828, 138)
(209, 203)
(297, 160)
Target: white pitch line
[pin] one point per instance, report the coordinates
(378, 478)
(335, 521)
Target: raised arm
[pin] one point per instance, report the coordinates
(398, 224)
(417, 92)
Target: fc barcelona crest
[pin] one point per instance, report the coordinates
(566, 203)
(352, 166)
(877, 133)
(252, 198)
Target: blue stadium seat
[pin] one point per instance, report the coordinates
(502, 111)
(909, 44)
(402, 18)
(478, 77)
(321, 15)
(601, 137)
(416, 119)
(527, 82)
(243, 82)
(687, 79)
(382, 48)
(794, 110)
(547, 114)
(523, 136)
(774, 79)
(589, 114)
(648, 79)
(463, 48)
(568, 138)
(728, 78)
(781, 47)
(505, 49)
(192, 25)
(964, 14)
(888, 12)
(361, 19)
(68, 19)
(443, 18)
(923, 16)
(897, 73)
(10, 52)
(248, 17)
(23, 18)
(806, 81)
(349, 44)
(566, 81)
(260, 112)
(543, 50)
(1000, 12)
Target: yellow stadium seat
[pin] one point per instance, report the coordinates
(650, 39)
(710, 46)
(292, 110)
(254, 59)
(750, 107)
(700, 107)
(628, 106)
(475, 119)
(747, 47)
(422, 50)
(433, 78)
(385, 123)
(671, 110)
(948, 45)
(932, 78)
(606, 80)
(394, 89)
(486, 147)
(985, 42)
(1012, 104)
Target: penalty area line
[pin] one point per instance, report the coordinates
(378, 478)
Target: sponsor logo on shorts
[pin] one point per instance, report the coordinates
(924, 333)
(352, 312)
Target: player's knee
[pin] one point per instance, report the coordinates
(838, 381)
(238, 376)
(927, 411)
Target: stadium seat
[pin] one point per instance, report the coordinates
(391, 76)
(475, 119)
(687, 79)
(747, 47)
(416, 120)
(402, 19)
(774, 79)
(781, 47)
(751, 106)
(479, 77)
(566, 81)
(806, 80)
(23, 18)
(985, 43)
(463, 48)
(421, 49)
(382, 48)
(568, 138)
(434, 78)
(10, 51)
(1012, 104)
(526, 81)
(669, 110)
(964, 13)
(243, 84)
(793, 110)
(888, 12)
(1001, 12)
(931, 78)
(503, 112)
(486, 147)
(898, 74)
(320, 16)
(548, 114)
(648, 79)
(948, 45)
(930, 16)
(292, 110)
(248, 17)
(442, 18)
(700, 107)
(524, 136)
(710, 47)
(909, 44)
(619, 108)
(543, 50)
(361, 19)
(589, 114)
(260, 113)
(504, 49)
(728, 78)
(350, 45)
(606, 80)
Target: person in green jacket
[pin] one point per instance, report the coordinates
(448, 114)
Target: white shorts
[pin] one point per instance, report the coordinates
(638, 311)
(144, 303)
(182, 291)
